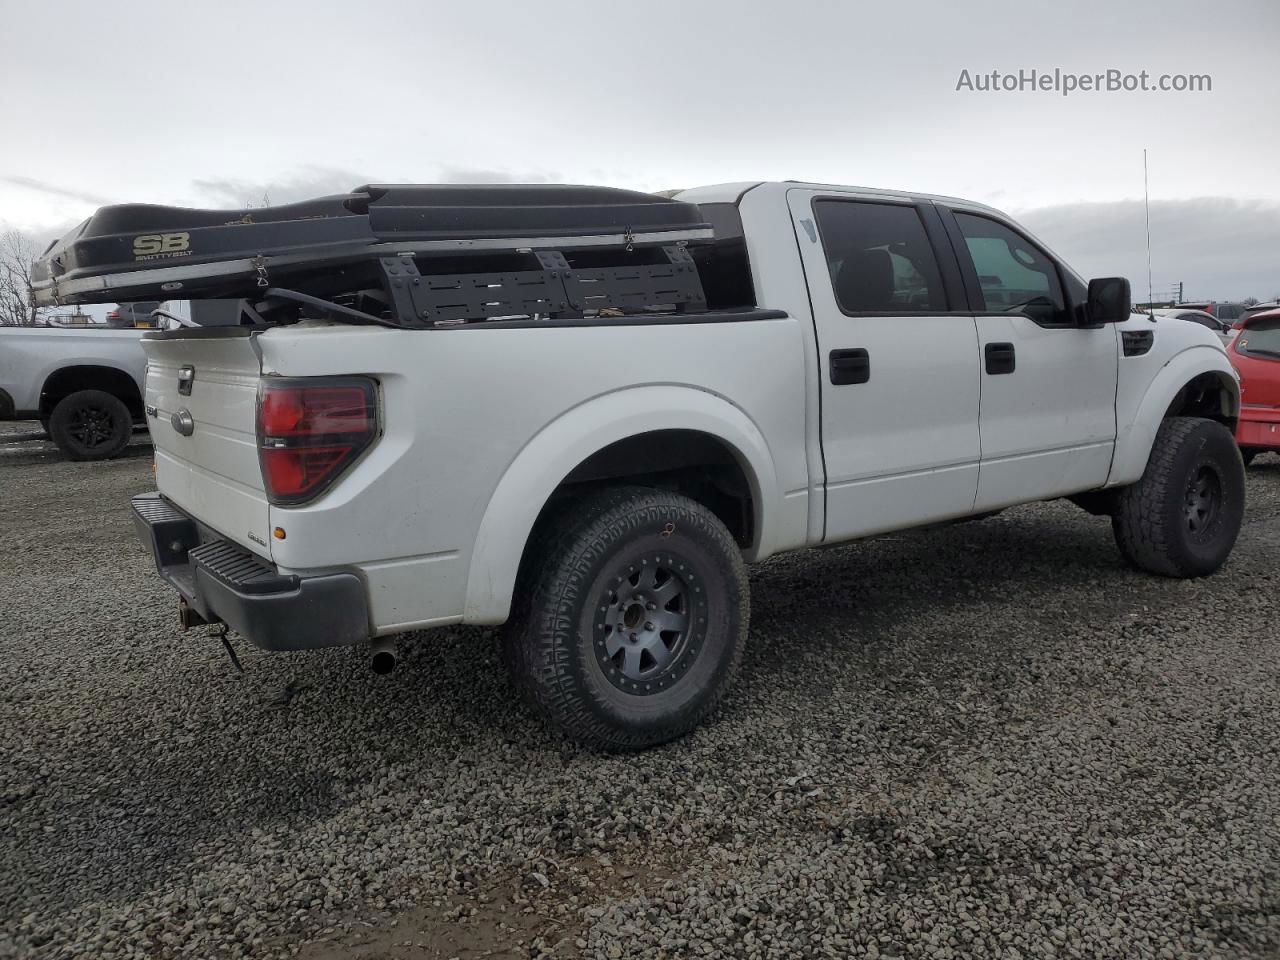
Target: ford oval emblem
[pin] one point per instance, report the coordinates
(183, 422)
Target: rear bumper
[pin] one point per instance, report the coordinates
(223, 583)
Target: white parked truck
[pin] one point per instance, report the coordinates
(83, 385)
(580, 412)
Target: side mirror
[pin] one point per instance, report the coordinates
(1110, 300)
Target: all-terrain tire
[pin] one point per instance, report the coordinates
(91, 425)
(607, 582)
(1182, 517)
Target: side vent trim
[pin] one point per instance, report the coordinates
(1137, 342)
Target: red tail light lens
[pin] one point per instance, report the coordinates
(310, 430)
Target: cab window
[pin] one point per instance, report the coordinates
(1015, 277)
(879, 258)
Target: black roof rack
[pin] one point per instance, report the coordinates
(438, 253)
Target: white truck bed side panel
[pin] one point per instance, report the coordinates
(461, 406)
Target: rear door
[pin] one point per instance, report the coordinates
(201, 398)
(1048, 385)
(898, 359)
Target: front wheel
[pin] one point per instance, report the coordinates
(630, 619)
(1182, 517)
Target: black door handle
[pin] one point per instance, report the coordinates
(850, 366)
(1001, 358)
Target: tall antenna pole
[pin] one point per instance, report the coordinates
(1146, 202)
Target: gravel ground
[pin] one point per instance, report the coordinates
(991, 740)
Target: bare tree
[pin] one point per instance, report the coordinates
(16, 255)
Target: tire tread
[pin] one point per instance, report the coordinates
(541, 627)
(1139, 524)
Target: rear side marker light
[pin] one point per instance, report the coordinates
(310, 430)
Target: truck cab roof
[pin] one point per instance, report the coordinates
(734, 192)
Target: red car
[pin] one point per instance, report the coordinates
(1255, 353)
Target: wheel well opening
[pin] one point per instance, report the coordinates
(62, 383)
(693, 464)
(1210, 396)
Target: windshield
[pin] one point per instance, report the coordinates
(1261, 339)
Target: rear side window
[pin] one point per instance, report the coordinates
(879, 258)
(1262, 339)
(1014, 275)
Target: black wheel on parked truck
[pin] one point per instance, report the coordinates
(630, 617)
(1247, 454)
(1182, 517)
(91, 425)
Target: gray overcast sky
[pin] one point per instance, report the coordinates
(216, 104)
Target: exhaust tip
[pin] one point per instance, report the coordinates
(383, 662)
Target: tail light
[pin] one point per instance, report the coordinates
(310, 430)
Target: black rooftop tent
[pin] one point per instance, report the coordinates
(428, 253)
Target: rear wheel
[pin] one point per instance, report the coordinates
(91, 425)
(630, 619)
(1247, 455)
(1182, 517)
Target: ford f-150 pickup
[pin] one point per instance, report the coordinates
(580, 412)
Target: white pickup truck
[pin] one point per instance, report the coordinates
(83, 385)
(580, 412)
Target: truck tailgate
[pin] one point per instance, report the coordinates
(202, 385)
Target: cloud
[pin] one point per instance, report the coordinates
(1217, 247)
(494, 175)
(53, 190)
(311, 181)
(40, 238)
(304, 184)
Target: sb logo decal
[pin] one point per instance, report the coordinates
(158, 245)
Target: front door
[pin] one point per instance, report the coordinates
(1048, 384)
(898, 358)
